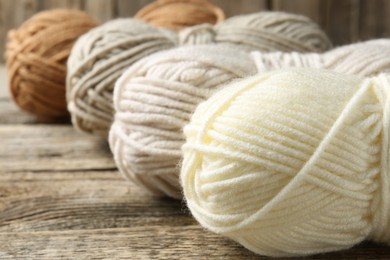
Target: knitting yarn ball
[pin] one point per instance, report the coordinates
(100, 56)
(364, 59)
(153, 101)
(178, 14)
(98, 59)
(36, 55)
(292, 162)
(271, 31)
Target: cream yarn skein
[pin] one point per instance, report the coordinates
(155, 98)
(100, 56)
(292, 162)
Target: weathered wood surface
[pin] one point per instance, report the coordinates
(62, 198)
(345, 21)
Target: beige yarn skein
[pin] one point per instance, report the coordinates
(100, 56)
(154, 101)
(155, 98)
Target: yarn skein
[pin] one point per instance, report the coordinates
(179, 14)
(150, 112)
(363, 58)
(101, 56)
(292, 162)
(155, 98)
(36, 55)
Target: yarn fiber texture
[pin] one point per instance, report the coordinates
(155, 98)
(154, 101)
(36, 55)
(102, 55)
(179, 14)
(363, 58)
(292, 162)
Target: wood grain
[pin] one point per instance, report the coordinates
(374, 19)
(341, 20)
(311, 9)
(3, 83)
(101, 10)
(10, 114)
(126, 8)
(234, 7)
(51, 147)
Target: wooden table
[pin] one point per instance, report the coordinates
(62, 197)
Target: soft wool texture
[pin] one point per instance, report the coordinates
(154, 101)
(292, 162)
(96, 62)
(36, 55)
(155, 98)
(100, 56)
(364, 58)
(178, 14)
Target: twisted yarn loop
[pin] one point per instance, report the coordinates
(364, 58)
(36, 55)
(199, 34)
(292, 162)
(179, 14)
(90, 102)
(184, 69)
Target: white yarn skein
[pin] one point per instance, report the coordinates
(363, 58)
(292, 162)
(153, 102)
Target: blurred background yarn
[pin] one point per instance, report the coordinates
(102, 55)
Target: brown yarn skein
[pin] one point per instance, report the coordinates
(36, 55)
(178, 14)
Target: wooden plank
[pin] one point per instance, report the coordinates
(126, 8)
(101, 10)
(52, 4)
(51, 147)
(3, 31)
(3, 83)
(341, 20)
(149, 242)
(146, 242)
(11, 114)
(309, 8)
(234, 7)
(374, 19)
(53, 201)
